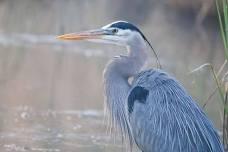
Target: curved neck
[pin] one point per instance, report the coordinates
(116, 86)
(121, 68)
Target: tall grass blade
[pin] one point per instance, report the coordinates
(225, 24)
(224, 39)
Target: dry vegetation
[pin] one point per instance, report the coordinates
(221, 76)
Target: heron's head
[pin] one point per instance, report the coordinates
(119, 32)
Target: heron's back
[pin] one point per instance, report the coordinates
(164, 118)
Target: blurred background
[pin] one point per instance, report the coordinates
(51, 91)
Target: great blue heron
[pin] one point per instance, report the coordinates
(153, 110)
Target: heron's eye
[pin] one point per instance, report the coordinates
(114, 31)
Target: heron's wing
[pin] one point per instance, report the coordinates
(164, 117)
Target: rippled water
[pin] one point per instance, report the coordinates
(26, 129)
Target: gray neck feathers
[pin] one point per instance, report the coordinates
(119, 70)
(116, 86)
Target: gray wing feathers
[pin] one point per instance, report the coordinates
(170, 120)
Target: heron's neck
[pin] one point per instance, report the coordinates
(116, 86)
(120, 69)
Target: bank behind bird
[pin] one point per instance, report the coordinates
(153, 111)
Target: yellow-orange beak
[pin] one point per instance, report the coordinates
(93, 34)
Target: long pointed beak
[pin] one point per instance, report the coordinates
(92, 34)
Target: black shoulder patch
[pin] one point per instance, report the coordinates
(137, 94)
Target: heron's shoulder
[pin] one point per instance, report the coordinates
(150, 78)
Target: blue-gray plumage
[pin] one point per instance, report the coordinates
(153, 111)
(174, 120)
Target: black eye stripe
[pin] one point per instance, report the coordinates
(125, 25)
